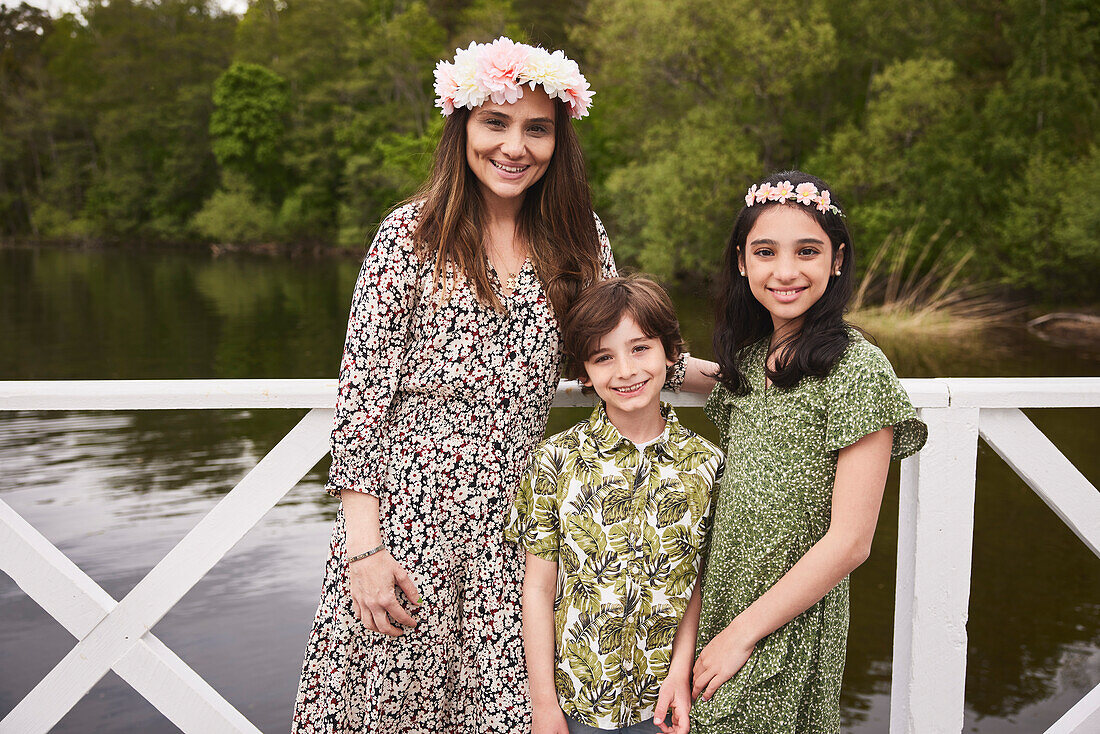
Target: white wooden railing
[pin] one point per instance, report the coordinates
(936, 521)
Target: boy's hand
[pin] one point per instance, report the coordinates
(548, 720)
(673, 705)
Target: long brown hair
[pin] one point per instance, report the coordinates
(555, 220)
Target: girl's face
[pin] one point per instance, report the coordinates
(788, 260)
(509, 146)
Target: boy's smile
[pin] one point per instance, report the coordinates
(627, 371)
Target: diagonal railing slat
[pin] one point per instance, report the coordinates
(181, 568)
(71, 597)
(1046, 470)
(1083, 718)
(48, 577)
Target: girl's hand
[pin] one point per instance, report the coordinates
(674, 697)
(548, 720)
(719, 661)
(373, 599)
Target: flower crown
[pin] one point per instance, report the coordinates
(805, 193)
(498, 71)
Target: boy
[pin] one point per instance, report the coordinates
(613, 514)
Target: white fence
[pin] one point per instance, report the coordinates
(935, 533)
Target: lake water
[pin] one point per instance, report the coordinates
(117, 490)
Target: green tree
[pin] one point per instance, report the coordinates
(247, 126)
(695, 98)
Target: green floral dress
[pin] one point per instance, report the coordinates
(774, 503)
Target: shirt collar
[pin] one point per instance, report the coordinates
(608, 438)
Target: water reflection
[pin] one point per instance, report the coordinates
(117, 490)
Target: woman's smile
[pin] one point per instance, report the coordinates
(510, 171)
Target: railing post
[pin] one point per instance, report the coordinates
(935, 537)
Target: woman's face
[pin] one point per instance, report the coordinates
(509, 146)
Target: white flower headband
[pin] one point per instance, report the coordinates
(498, 71)
(805, 193)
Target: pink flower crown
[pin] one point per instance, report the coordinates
(498, 71)
(805, 193)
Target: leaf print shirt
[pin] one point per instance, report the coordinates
(628, 530)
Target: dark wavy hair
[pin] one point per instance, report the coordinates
(741, 320)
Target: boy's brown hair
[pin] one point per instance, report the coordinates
(600, 308)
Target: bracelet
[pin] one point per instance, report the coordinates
(366, 554)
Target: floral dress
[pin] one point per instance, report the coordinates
(441, 401)
(774, 503)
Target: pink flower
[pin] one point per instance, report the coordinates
(782, 191)
(580, 98)
(445, 86)
(750, 198)
(499, 65)
(764, 192)
(805, 193)
(824, 201)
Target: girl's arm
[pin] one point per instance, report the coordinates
(700, 376)
(857, 493)
(675, 693)
(539, 588)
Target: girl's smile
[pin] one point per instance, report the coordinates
(787, 295)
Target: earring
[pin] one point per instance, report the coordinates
(837, 273)
(742, 273)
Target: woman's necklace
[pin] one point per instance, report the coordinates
(510, 279)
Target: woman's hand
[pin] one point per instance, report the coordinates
(719, 661)
(373, 599)
(548, 720)
(674, 697)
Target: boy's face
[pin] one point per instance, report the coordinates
(627, 370)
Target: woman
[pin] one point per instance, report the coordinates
(451, 361)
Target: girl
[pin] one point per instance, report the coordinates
(810, 415)
(451, 360)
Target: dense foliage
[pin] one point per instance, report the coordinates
(304, 120)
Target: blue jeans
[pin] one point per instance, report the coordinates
(644, 727)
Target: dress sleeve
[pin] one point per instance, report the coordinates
(717, 408)
(863, 395)
(381, 310)
(534, 521)
(607, 260)
(674, 376)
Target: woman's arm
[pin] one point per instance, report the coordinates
(372, 579)
(675, 693)
(539, 588)
(700, 376)
(857, 494)
(381, 313)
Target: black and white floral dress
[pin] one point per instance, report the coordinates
(441, 402)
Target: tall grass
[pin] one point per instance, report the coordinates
(925, 295)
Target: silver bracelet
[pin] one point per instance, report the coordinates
(367, 554)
